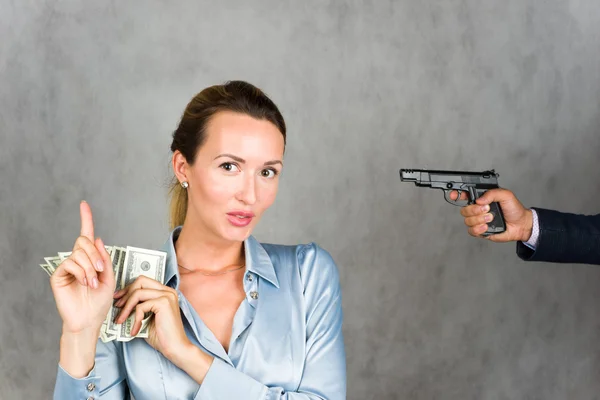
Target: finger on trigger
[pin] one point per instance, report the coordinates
(462, 196)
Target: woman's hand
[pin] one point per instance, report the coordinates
(83, 284)
(166, 333)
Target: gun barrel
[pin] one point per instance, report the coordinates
(414, 172)
(419, 177)
(408, 175)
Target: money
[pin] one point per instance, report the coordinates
(52, 263)
(128, 263)
(138, 262)
(118, 258)
(64, 254)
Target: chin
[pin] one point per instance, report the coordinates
(234, 234)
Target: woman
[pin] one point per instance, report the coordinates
(236, 319)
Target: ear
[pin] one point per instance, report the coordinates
(180, 166)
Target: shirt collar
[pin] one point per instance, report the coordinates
(257, 260)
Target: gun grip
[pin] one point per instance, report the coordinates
(497, 225)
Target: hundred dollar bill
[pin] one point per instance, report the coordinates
(118, 258)
(139, 262)
(105, 335)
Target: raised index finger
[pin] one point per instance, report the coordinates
(87, 222)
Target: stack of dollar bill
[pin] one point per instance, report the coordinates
(128, 263)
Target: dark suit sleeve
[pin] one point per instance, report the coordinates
(565, 238)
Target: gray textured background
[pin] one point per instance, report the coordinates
(91, 91)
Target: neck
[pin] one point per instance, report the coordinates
(197, 251)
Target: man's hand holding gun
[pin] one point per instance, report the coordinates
(489, 211)
(518, 219)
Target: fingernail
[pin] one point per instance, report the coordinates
(83, 201)
(488, 218)
(485, 208)
(95, 283)
(100, 265)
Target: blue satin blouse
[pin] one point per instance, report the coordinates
(286, 343)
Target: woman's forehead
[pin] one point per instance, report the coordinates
(243, 136)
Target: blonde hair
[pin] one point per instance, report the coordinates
(236, 96)
(178, 204)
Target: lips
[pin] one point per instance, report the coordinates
(240, 218)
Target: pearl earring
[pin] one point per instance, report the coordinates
(184, 185)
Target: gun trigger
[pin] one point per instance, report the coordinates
(454, 202)
(447, 197)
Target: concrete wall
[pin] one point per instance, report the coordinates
(91, 92)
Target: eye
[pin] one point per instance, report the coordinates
(229, 167)
(269, 173)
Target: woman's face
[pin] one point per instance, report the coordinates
(235, 177)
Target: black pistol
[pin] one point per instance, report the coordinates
(475, 184)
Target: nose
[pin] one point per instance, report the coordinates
(247, 193)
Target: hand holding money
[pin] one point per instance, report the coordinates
(120, 268)
(83, 284)
(165, 333)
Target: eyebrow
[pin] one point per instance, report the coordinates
(241, 160)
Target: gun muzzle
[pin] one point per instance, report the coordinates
(407, 175)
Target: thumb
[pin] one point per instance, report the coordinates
(107, 275)
(493, 195)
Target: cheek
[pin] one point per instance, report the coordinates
(268, 194)
(215, 188)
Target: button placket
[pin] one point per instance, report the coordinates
(251, 286)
